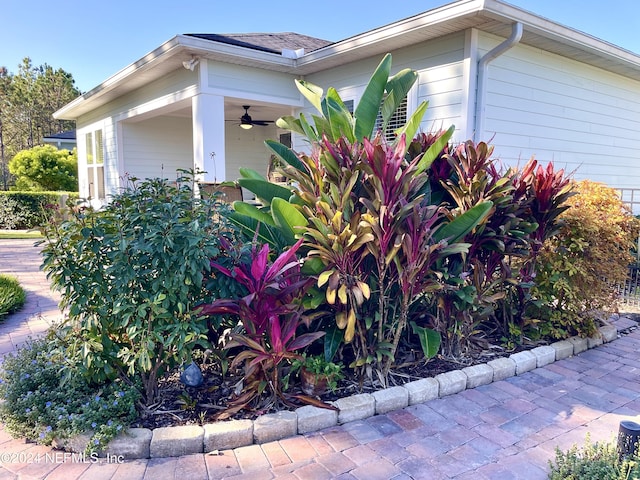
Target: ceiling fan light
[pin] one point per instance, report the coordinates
(246, 122)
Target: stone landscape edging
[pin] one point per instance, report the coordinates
(176, 441)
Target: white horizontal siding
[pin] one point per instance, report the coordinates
(157, 147)
(246, 148)
(246, 81)
(585, 119)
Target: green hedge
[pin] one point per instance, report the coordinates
(20, 210)
(12, 295)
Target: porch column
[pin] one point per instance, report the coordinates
(208, 136)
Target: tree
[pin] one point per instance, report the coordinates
(45, 168)
(27, 102)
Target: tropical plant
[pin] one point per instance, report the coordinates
(392, 226)
(368, 211)
(477, 281)
(271, 314)
(277, 221)
(131, 276)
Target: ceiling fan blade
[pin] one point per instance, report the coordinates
(262, 123)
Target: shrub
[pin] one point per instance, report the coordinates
(44, 401)
(45, 168)
(580, 267)
(132, 276)
(22, 210)
(594, 461)
(12, 296)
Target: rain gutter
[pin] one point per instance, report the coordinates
(483, 67)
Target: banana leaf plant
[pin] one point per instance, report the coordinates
(382, 96)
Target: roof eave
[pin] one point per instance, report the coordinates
(493, 16)
(178, 45)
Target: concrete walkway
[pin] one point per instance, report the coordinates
(505, 430)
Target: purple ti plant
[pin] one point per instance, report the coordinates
(271, 314)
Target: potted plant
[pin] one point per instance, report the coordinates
(317, 375)
(274, 172)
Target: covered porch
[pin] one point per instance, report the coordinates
(205, 133)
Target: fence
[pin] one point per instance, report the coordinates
(631, 197)
(630, 291)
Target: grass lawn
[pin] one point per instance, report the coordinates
(16, 234)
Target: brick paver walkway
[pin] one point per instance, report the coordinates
(506, 430)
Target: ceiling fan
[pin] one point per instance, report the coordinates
(247, 122)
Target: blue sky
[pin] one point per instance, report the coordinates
(93, 39)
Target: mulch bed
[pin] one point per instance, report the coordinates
(181, 405)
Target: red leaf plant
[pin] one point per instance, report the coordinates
(271, 314)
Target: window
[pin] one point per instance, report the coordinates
(95, 164)
(349, 105)
(397, 120)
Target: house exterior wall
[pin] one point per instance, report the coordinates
(246, 149)
(251, 83)
(586, 120)
(157, 147)
(108, 118)
(441, 81)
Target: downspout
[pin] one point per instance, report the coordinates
(483, 67)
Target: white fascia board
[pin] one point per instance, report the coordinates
(212, 49)
(563, 34)
(143, 63)
(179, 43)
(384, 34)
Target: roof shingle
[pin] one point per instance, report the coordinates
(266, 42)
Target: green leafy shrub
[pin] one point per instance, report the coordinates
(22, 210)
(594, 461)
(47, 397)
(132, 276)
(45, 168)
(580, 266)
(12, 296)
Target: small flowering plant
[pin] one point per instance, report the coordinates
(44, 401)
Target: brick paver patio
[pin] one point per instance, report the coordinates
(505, 430)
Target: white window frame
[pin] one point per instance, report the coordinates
(94, 142)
